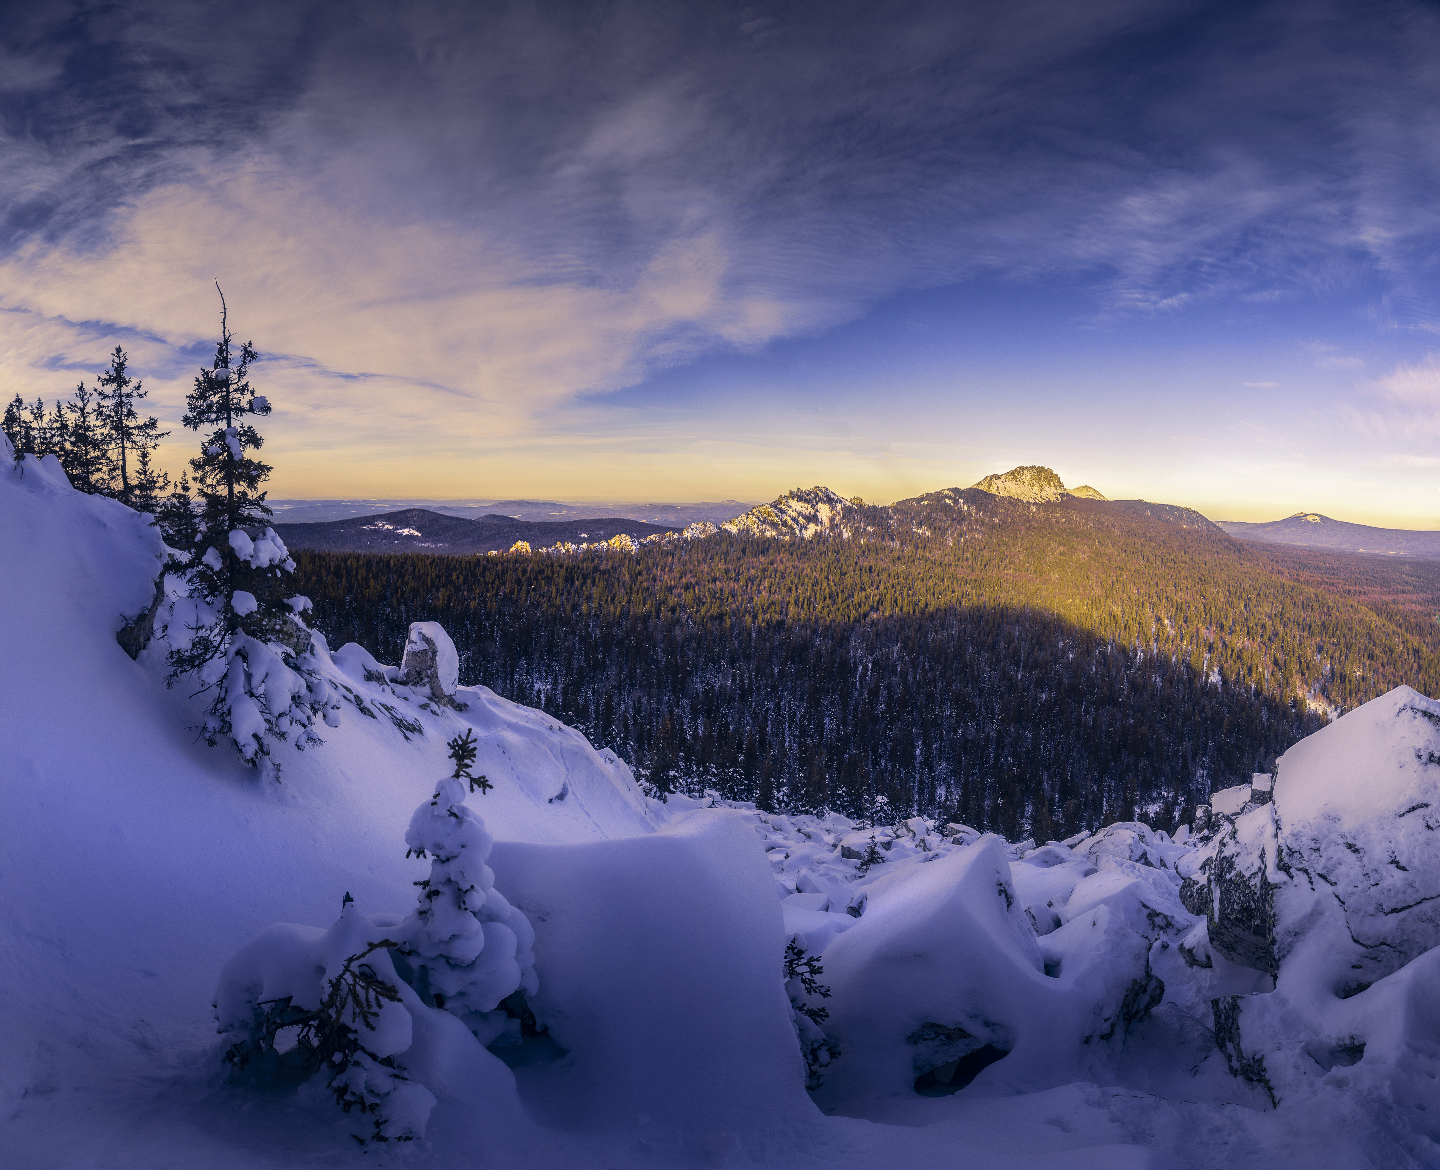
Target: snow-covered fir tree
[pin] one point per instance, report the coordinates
(467, 946)
(247, 645)
(121, 429)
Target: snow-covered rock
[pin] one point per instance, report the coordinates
(803, 513)
(1358, 806)
(431, 661)
(1333, 889)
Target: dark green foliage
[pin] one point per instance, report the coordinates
(871, 857)
(150, 487)
(332, 1037)
(122, 431)
(462, 751)
(802, 972)
(801, 965)
(85, 459)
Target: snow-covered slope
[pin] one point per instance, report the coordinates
(1023, 1004)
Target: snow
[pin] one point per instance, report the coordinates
(148, 877)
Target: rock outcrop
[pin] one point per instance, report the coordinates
(432, 662)
(804, 513)
(1033, 485)
(1330, 888)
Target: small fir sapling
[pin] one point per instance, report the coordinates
(340, 992)
(872, 856)
(333, 1036)
(462, 751)
(467, 948)
(248, 647)
(802, 972)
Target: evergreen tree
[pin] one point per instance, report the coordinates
(802, 972)
(59, 438)
(178, 522)
(148, 491)
(120, 426)
(872, 856)
(17, 428)
(40, 429)
(247, 646)
(85, 458)
(467, 947)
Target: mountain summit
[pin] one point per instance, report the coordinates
(1034, 485)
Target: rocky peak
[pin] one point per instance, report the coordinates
(1033, 485)
(803, 512)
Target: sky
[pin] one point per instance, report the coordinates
(1183, 252)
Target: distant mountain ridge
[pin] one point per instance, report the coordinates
(421, 530)
(800, 514)
(953, 513)
(1313, 530)
(542, 511)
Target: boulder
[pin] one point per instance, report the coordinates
(432, 662)
(1328, 880)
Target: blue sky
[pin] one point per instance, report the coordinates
(1178, 251)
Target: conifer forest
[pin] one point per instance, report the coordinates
(1031, 670)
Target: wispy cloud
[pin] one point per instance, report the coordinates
(445, 222)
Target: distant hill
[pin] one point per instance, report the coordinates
(421, 530)
(1316, 531)
(544, 511)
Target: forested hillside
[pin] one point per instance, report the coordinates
(1022, 667)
